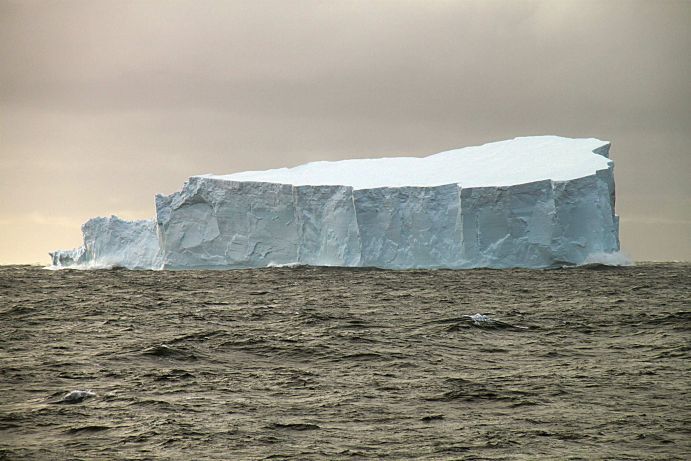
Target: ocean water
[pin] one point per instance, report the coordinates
(325, 363)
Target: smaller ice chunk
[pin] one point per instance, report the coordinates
(485, 321)
(76, 396)
(113, 242)
(481, 320)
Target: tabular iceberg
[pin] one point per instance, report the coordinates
(528, 202)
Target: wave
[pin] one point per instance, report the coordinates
(607, 259)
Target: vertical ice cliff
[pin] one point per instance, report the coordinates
(527, 202)
(113, 242)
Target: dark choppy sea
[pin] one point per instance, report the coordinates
(319, 363)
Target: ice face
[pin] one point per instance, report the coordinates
(113, 242)
(527, 202)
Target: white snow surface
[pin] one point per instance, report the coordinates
(504, 163)
(527, 202)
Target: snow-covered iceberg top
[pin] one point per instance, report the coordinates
(504, 163)
(528, 202)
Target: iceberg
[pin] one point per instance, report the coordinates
(531, 202)
(113, 242)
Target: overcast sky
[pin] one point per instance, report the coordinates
(104, 103)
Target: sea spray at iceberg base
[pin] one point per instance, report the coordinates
(528, 202)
